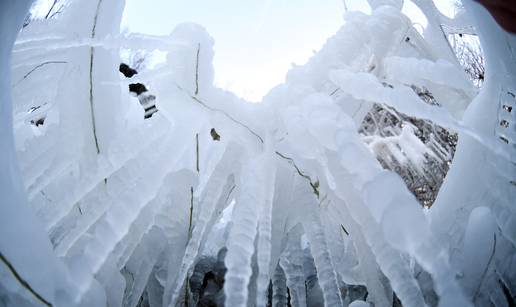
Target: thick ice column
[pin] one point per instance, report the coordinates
(243, 232)
(292, 264)
(25, 250)
(11, 14)
(479, 176)
(105, 94)
(98, 20)
(470, 179)
(279, 287)
(211, 195)
(312, 225)
(479, 249)
(192, 64)
(433, 32)
(264, 244)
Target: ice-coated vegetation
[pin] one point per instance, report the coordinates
(380, 173)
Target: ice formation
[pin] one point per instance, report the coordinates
(188, 195)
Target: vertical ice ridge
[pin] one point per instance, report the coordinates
(210, 196)
(23, 235)
(98, 201)
(394, 267)
(265, 232)
(279, 287)
(338, 235)
(143, 263)
(243, 232)
(389, 260)
(92, 176)
(292, 263)
(116, 222)
(319, 248)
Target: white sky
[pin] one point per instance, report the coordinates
(256, 41)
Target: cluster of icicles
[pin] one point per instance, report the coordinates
(285, 192)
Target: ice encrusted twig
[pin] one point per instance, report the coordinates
(197, 70)
(37, 67)
(486, 268)
(92, 53)
(198, 100)
(22, 281)
(314, 185)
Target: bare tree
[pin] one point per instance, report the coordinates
(469, 53)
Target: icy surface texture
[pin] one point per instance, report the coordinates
(378, 174)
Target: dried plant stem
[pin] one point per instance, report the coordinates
(22, 281)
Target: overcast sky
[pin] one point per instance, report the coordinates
(256, 41)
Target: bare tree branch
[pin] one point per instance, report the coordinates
(51, 8)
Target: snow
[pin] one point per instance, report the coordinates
(217, 200)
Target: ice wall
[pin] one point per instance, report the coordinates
(104, 207)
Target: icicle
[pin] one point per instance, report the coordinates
(212, 192)
(265, 232)
(134, 150)
(338, 235)
(369, 269)
(479, 249)
(253, 195)
(389, 259)
(292, 263)
(116, 222)
(141, 264)
(279, 288)
(26, 254)
(325, 271)
(319, 247)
